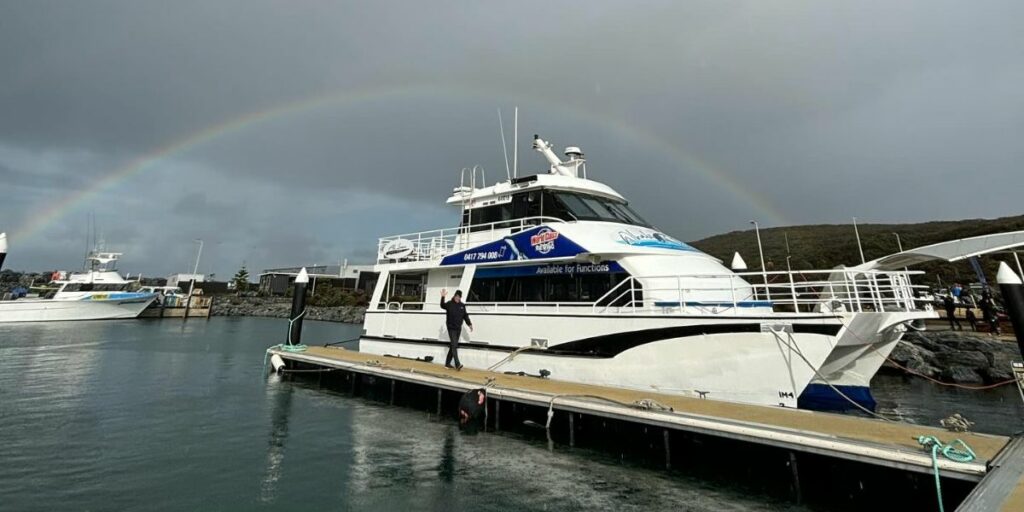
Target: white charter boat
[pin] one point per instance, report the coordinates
(99, 293)
(562, 278)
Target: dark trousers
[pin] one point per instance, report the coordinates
(453, 348)
(951, 316)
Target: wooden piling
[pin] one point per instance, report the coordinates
(572, 430)
(795, 470)
(668, 450)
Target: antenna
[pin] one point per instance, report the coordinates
(501, 127)
(85, 258)
(515, 146)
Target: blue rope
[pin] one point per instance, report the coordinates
(951, 452)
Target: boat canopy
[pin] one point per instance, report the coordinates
(951, 251)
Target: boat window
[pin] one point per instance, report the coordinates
(576, 206)
(109, 287)
(585, 288)
(479, 218)
(588, 207)
(601, 209)
(405, 288)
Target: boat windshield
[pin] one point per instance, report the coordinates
(551, 203)
(95, 287)
(588, 207)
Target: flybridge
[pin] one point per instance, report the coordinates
(518, 206)
(568, 174)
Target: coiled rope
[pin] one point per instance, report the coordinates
(949, 451)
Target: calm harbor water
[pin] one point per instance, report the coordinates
(166, 415)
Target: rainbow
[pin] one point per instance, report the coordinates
(58, 209)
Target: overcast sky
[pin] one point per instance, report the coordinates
(286, 133)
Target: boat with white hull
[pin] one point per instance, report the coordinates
(100, 293)
(563, 279)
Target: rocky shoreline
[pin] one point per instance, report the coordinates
(280, 307)
(960, 357)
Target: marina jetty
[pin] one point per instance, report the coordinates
(819, 459)
(815, 458)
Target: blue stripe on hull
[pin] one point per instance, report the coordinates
(821, 397)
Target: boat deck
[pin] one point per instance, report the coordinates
(865, 440)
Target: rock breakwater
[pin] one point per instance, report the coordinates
(280, 307)
(957, 356)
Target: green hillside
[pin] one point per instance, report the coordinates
(826, 246)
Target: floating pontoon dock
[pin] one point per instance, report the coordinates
(862, 460)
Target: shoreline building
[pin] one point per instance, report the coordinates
(277, 281)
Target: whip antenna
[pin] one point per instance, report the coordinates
(515, 145)
(501, 127)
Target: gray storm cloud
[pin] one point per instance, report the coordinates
(288, 133)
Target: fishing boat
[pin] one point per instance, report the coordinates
(564, 279)
(99, 293)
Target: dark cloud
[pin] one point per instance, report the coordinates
(705, 114)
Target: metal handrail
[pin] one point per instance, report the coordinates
(881, 291)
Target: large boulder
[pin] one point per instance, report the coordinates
(956, 356)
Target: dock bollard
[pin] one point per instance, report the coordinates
(298, 308)
(1012, 288)
(3, 249)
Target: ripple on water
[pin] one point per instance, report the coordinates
(161, 415)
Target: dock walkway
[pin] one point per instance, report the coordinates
(865, 440)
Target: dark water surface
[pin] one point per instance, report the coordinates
(166, 415)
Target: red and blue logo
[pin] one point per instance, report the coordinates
(544, 241)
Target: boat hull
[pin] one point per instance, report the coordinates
(844, 380)
(48, 310)
(742, 361)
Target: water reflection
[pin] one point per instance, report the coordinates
(446, 469)
(280, 395)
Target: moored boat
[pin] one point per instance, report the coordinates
(99, 293)
(564, 279)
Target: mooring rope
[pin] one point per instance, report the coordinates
(951, 452)
(282, 347)
(818, 374)
(508, 358)
(644, 403)
(972, 387)
(291, 322)
(342, 342)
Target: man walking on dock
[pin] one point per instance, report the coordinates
(455, 314)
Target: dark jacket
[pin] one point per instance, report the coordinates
(455, 314)
(949, 304)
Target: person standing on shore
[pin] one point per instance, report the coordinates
(455, 314)
(988, 311)
(950, 306)
(972, 319)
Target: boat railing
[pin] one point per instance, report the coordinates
(797, 292)
(437, 243)
(783, 291)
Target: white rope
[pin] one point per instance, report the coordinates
(821, 377)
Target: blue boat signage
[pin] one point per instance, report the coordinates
(553, 269)
(541, 242)
(651, 238)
